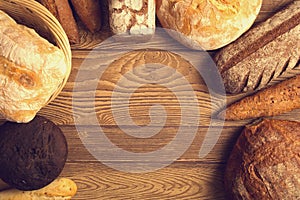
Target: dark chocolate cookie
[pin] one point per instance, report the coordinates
(32, 155)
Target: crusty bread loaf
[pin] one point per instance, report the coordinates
(132, 19)
(264, 163)
(59, 189)
(264, 53)
(31, 69)
(208, 24)
(274, 100)
(62, 11)
(89, 12)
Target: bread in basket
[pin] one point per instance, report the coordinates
(33, 70)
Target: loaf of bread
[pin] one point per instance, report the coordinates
(32, 154)
(59, 189)
(31, 69)
(89, 12)
(264, 53)
(61, 9)
(265, 162)
(274, 100)
(132, 19)
(208, 24)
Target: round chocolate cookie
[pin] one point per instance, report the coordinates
(32, 155)
(265, 162)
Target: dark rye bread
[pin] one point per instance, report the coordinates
(265, 162)
(262, 54)
(271, 101)
(32, 154)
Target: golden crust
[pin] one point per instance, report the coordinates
(210, 24)
(31, 69)
(59, 189)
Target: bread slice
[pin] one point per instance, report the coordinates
(274, 100)
(264, 53)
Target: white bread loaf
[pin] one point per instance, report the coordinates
(59, 189)
(31, 69)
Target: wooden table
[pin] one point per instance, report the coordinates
(188, 177)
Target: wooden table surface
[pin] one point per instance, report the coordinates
(188, 177)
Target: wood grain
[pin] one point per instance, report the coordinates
(180, 181)
(189, 177)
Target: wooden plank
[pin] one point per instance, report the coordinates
(78, 149)
(179, 181)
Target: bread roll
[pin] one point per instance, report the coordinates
(208, 24)
(60, 189)
(31, 69)
(265, 162)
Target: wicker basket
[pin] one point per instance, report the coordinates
(36, 16)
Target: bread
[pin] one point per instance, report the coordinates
(264, 53)
(31, 69)
(274, 100)
(265, 162)
(208, 24)
(61, 9)
(59, 189)
(32, 154)
(89, 12)
(132, 19)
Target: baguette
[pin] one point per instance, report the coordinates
(62, 11)
(274, 100)
(89, 13)
(59, 189)
(263, 54)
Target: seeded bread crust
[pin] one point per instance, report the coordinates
(264, 53)
(274, 100)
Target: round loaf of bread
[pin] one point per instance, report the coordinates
(32, 155)
(265, 162)
(207, 24)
